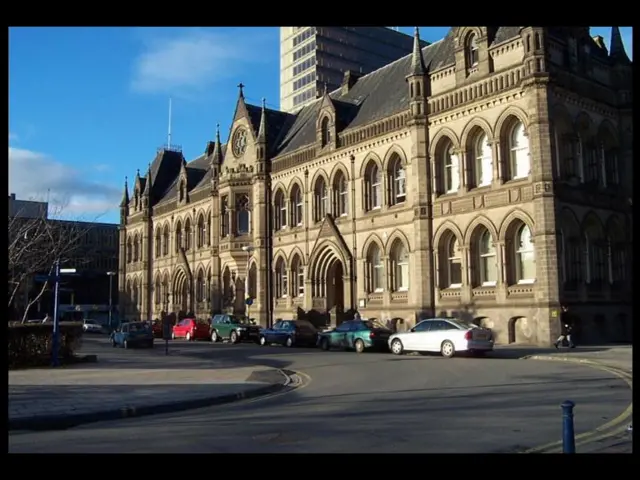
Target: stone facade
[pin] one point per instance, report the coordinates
(487, 175)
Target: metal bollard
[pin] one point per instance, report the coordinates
(568, 434)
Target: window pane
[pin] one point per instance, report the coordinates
(490, 269)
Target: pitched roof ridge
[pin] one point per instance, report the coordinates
(387, 66)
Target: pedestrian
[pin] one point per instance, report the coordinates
(566, 328)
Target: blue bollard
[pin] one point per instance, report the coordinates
(568, 434)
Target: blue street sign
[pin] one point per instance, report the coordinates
(249, 301)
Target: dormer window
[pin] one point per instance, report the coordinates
(472, 51)
(325, 132)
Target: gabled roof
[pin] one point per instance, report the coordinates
(377, 95)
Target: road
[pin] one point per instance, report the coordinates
(373, 402)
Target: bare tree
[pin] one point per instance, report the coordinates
(35, 243)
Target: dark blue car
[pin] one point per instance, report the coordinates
(290, 333)
(133, 334)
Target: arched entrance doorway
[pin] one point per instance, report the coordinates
(328, 286)
(181, 293)
(335, 286)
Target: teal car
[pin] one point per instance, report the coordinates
(133, 334)
(358, 335)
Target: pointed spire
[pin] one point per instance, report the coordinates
(125, 196)
(241, 87)
(617, 51)
(417, 61)
(147, 183)
(262, 131)
(217, 149)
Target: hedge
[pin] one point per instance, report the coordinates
(30, 345)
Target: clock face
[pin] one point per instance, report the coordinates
(239, 142)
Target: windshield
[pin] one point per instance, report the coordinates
(137, 327)
(237, 319)
(463, 324)
(375, 324)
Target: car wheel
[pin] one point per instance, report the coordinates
(359, 346)
(214, 336)
(447, 349)
(125, 344)
(396, 347)
(113, 343)
(324, 344)
(173, 336)
(188, 337)
(263, 341)
(233, 337)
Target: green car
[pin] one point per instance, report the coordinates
(356, 334)
(232, 328)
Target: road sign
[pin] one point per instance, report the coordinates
(249, 301)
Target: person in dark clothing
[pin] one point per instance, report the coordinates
(566, 328)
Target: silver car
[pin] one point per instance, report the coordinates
(91, 326)
(445, 335)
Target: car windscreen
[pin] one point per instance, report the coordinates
(137, 327)
(377, 324)
(463, 324)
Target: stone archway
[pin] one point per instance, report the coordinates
(331, 281)
(519, 330)
(334, 280)
(181, 293)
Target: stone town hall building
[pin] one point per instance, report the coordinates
(487, 174)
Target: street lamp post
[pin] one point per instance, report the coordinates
(247, 299)
(110, 275)
(56, 321)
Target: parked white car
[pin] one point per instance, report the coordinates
(91, 326)
(445, 335)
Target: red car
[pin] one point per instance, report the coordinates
(191, 329)
(157, 329)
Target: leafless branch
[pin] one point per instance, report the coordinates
(34, 246)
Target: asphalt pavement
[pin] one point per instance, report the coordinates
(372, 402)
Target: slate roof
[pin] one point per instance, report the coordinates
(377, 95)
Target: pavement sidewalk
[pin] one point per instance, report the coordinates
(50, 399)
(619, 357)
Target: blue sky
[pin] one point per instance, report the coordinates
(88, 106)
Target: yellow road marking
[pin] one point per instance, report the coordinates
(597, 433)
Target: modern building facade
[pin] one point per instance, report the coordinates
(315, 58)
(487, 175)
(92, 250)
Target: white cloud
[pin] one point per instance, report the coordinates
(34, 175)
(184, 64)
